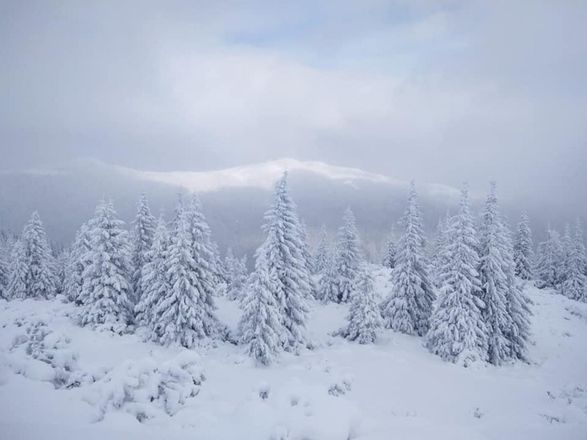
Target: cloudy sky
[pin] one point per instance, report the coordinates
(439, 91)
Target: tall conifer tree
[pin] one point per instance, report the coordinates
(457, 331)
(523, 249)
(574, 285)
(17, 283)
(76, 263)
(106, 276)
(154, 282)
(40, 279)
(185, 314)
(364, 318)
(322, 254)
(4, 268)
(261, 325)
(408, 307)
(142, 239)
(494, 281)
(549, 262)
(283, 252)
(337, 284)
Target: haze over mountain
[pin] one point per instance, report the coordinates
(234, 199)
(354, 98)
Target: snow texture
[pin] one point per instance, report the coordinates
(130, 389)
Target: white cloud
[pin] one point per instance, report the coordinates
(437, 91)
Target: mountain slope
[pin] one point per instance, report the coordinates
(234, 199)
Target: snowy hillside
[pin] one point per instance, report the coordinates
(60, 381)
(288, 221)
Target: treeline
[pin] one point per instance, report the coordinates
(464, 297)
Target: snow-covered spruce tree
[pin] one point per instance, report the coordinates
(580, 245)
(574, 285)
(143, 231)
(106, 275)
(222, 269)
(518, 304)
(408, 307)
(229, 262)
(17, 283)
(493, 281)
(4, 270)
(153, 282)
(229, 267)
(558, 249)
(237, 278)
(204, 250)
(77, 261)
(567, 249)
(364, 318)
(62, 262)
(322, 253)
(542, 266)
(549, 261)
(220, 274)
(308, 258)
(327, 284)
(41, 277)
(185, 313)
(261, 325)
(523, 249)
(178, 211)
(495, 284)
(440, 242)
(457, 332)
(8, 242)
(346, 261)
(390, 252)
(283, 252)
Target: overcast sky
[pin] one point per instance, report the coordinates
(437, 91)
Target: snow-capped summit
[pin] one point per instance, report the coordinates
(260, 175)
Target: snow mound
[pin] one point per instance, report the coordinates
(147, 388)
(40, 353)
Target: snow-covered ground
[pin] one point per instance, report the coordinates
(60, 381)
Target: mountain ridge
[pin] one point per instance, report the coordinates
(260, 175)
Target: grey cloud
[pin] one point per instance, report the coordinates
(438, 91)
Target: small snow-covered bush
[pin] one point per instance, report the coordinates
(341, 386)
(44, 354)
(146, 387)
(264, 389)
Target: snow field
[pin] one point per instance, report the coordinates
(58, 380)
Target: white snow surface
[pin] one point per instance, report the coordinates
(60, 381)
